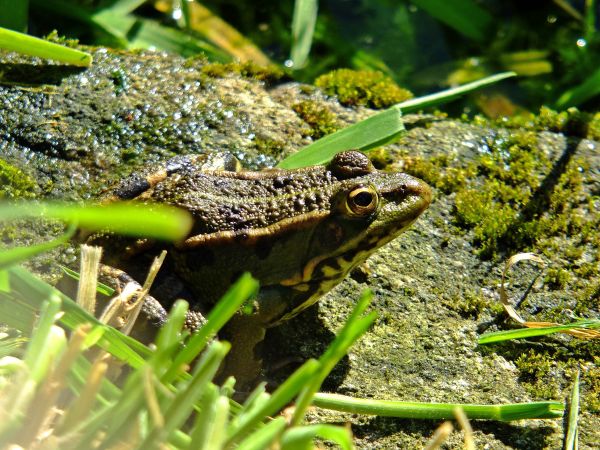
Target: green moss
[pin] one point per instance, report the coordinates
(591, 381)
(438, 172)
(472, 304)
(362, 87)
(268, 74)
(269, 147)
(320, 119)
(14, 183)
(543, 372)
(571, 122)
(536, 373)
(557, 278)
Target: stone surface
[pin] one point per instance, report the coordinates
(77, 131)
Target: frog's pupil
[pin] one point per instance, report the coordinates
(363, 199)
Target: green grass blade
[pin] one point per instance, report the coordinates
(265, 437)
(465, 16)
(577, 95)
(303, 27)
(31, 290)
(522, 333)
(9, 257)
(144, 33)
(182, 405)
(282, 396)
(4, 281)
(123, 7)
(29, 45)
(14, 14)
(210, 423)
(157, 221)
(38, 355)
(234, 298)
(436, 411)
(377, 130)
(356, 325)
(571, 438)
(448, 95)
(100, 287)
(301, 438)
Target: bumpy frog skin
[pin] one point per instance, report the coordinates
(299, 232)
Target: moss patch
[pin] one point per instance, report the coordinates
(320, 120)
(571, 122)
(543, 373)
(362, 87)
(14, 183)
(268, 74)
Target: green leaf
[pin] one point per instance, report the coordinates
(572, 425)
(581, 93)
(522, 333)
(265, 436)
(356, 325)
(244, 288)
(416, 410)
(448, 95)
(465, 16)
(375, 131)
(303, 27)
(157, 221)
(29, 45)
(282, 395)
(100, 287)
(32, 291)
(301, 438)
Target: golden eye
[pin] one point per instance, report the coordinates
(362, 201)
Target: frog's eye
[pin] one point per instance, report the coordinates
(362, 201)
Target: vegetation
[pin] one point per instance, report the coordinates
(501, 201)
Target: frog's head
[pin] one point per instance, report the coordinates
(368, 209)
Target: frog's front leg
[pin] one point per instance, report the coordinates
(246, 333)
(152, 314)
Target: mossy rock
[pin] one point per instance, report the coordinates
(500, 189)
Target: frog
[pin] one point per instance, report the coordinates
(299, 232)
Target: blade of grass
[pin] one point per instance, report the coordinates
(210, 421)
(282, 395)
(38, 357)
(448, 95)
(436, 411)
(521, 333)
(578, 94)
(182, 405)
(265, 437)
(9, 257)
(303, 27)
(571, 438)
(465, 16)
(299, 438)
(379, 129)
(101, 287)
(157, 221)
(33, 290)
(356, 325)
(375, 131)
(29, 45)
(236, 296)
